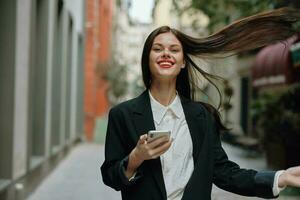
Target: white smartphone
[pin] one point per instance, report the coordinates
(152, 135)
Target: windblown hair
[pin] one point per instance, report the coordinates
(246, 34)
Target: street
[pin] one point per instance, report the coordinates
(78, 176)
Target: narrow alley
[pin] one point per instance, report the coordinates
(64, 64)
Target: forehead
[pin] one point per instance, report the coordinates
(166, 39)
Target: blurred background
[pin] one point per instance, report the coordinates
(64, 63)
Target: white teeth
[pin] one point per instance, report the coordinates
(165, 63)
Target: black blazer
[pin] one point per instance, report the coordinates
(128, 120)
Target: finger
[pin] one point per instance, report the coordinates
(294, 170)
(156, 155)
(143, 139)
(158, 142)
(161, 152)
(161, 149)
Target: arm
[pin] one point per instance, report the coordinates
(262, 181)
(116, 153)
(145, 151)
(122, 166)
(230, 177)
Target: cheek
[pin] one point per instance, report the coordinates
(152, 60)
(180, 59)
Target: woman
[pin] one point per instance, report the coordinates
(186, 165)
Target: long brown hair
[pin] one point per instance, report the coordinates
(246, 34)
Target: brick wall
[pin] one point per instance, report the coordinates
(97, 55)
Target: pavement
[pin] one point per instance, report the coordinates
(78, 176)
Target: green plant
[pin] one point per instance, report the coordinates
(290, 122)
(277, 113)
(118, 83)
(264, 111)
(222, 12)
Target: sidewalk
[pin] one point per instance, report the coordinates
(78, 176)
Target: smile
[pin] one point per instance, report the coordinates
(165, 63)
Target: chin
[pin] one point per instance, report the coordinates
(166, 76)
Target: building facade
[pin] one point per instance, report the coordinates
(41, 87)
(98, 27)
(128, 39)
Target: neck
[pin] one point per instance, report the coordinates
(163, 93)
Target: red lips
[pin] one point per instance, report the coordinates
(165, 63)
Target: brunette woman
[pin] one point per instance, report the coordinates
(186, 165)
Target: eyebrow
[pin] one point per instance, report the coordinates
(172, 45)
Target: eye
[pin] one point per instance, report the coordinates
(157, 49)
(175, 50)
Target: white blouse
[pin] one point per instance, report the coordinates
(177, 163)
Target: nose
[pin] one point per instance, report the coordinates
(166, 53)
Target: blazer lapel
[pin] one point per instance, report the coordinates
(142, 114)
(143, 121)
(195, 120)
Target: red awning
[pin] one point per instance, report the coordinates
(273, 64)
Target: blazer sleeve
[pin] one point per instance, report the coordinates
(229, 176)
(116, 154)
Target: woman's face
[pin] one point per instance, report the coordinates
(166, 57)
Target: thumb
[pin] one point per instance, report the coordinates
(143, 139)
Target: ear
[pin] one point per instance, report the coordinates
(183, 66)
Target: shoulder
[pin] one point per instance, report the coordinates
(125, 106)
(208, 108)
(130, 105)
(213, 115)
(197, 106)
